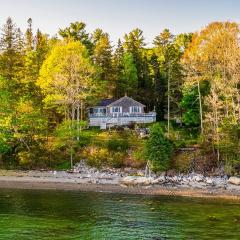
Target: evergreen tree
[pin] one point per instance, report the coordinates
(159, 87)
(10, 44)
(169, 53)
(42, 48)
(159, 149)
(77, 31)
(134, 44)
(8, 41)
(128, 76)
(163, 39)
(118, 68)
(102, 57)
(29, 39)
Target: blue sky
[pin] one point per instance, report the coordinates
(120, 16)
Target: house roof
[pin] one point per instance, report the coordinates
(105, 102)
(126, 101)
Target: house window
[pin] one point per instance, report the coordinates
(135, 109)
(99, 111)
(102, 110)
(116, 109)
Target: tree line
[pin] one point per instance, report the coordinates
(47, 83)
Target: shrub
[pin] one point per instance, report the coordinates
(116, 159)
(136, 159)
(229, 146)
(158, 149)
(120, 145)
(183, 160)
(102, 157)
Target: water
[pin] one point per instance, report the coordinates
(34, 214)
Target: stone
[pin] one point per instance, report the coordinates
(128, 180)
(160, 179)
(140, 173)
(133, 181)
(234, 180)
(143, 181)
(175, 179)
(198, 179)
(209, 181)
(170, 173)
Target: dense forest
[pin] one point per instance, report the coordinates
(47, 84)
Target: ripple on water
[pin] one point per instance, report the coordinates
(34, 214)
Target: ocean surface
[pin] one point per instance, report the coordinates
(49, 214)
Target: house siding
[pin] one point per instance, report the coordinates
(124, 117)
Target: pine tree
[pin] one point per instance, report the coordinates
(169, 53)
(77, 31)
(8, 41)
(118, 68)
(128, 82)
(42, 48)
(29, 39)
(159, 86)
(9, 48)
(134, 44)
(102, 57)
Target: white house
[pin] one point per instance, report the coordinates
(119, 112)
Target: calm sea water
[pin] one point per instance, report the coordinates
(34, 214)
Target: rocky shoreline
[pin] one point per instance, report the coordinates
(125, 180)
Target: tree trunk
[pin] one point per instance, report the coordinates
(200, 106)
(73, 115)
(168, 99)
(71, 158)
(81, 115)
(78, 122)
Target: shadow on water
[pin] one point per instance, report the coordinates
(35, 214)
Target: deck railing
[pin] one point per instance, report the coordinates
(118, 115)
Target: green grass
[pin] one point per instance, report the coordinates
(65, 165)
(181, 136)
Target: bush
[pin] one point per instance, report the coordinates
(183, 161)
(102, 157)
(229, 146)
(158, 149)
(136, 159)
(96, 157)
(120, 145)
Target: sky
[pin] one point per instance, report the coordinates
(118, 17)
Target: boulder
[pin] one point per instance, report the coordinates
(198, 179)
(209, 181)
(140, 173)
(234, 180)
(160, 179)
(133, 181)
(128, 180)
(143, 181)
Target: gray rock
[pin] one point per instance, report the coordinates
(128, 181)
(133, 181)
(143, 181)
(234, 180)
(198, 179)
(159, 180)
(209, 181)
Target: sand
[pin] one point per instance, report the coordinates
(23, 180)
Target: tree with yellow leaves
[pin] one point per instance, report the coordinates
(213, 56)
(67, 78)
